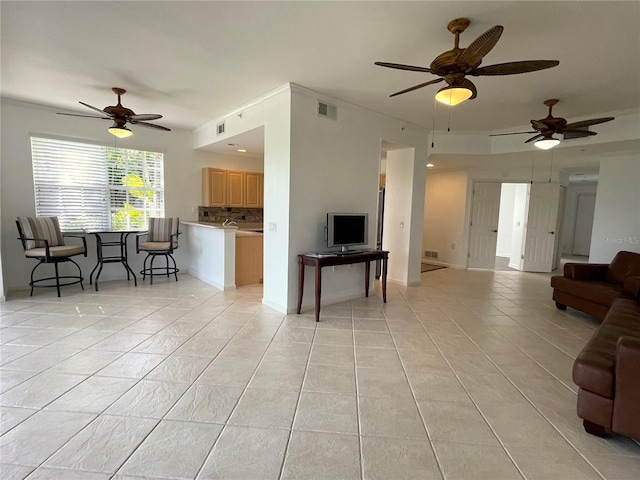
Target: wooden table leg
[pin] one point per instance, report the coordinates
(367, 270)
(300, 282)
(318, 290)
(384, 279)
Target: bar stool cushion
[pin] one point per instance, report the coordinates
(57, 251)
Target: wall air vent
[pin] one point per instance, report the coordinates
(327, 111)
(430, 254)
(220, 128)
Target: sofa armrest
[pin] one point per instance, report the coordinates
(586, 271)
(631, 287)
(627, 388)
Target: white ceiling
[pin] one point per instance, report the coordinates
(197, 61)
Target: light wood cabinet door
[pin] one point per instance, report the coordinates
(249, 260)
(252, 189)
(214, 187)
(235, 188)
(261, 185)
(383, 180)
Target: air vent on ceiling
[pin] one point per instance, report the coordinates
(220, 128)
(327, 111)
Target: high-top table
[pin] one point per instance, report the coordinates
(121, 243)
(319, 260)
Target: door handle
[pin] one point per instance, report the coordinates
(494, 231)
(552, 233)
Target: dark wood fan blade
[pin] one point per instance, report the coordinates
(513, 68)
(469, 84)
(537, 137)
(538, 125)
(152, 125)
(85, 116)
(512, 133)
(400, 66)
(586, 123)
(96, 109)
(437, 80)
(144, 116)
(570, 134)
(475, 52)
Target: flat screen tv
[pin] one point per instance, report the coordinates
(345, 230)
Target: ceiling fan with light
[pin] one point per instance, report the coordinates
(545, 128)
(453, 65)
(121, 116)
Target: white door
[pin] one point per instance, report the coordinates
(483, 237)
(540, 238)
(584, 224)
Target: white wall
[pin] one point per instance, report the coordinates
(445, 211)
(569, 223)
(520, 209)
(505, 220)
(20, 120)
(616, 221)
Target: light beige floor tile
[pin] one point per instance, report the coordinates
(235, 373)
(86, 362)
(335, 323)
(378, 382)
(265, 408)
(279, 376)
(173, 450)
(398, 459)
(43, 337)
(35, 439)
(12, 416)
(119, 436)
(246, 453)
(132, 365)
(370, 325)
(390, 417)
(36, 359)
(330, 379)
(257, 332)
(93, 395)
(332, 355)
(202, 345)
(288, 352)
(413, 341)
(491, 389)
(373, 339)
(437, 386)
(462, 461)
(423, 360)
(47, 473)
(322, 455)
(206, 403)
(378, 358)
(327, 336)
(368, 313)
(120, 342)
(617, 467)
(40, 390)
(14, 472)
(179, 369)
(559, 461)
(12, 378)
(148, 399)
(323, 412)
(294, 334)
(162, 344)
(456, 423)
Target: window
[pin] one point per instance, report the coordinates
(95, 187)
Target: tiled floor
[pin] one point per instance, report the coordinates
(467, 376)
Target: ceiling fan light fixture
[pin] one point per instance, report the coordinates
(452, 95)
(547, 143)
(120, 132)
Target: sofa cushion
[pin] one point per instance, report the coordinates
(594, 367)
(624, 264)
(602, 293)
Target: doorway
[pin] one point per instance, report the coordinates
(514, 226)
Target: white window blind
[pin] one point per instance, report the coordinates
(95, 187)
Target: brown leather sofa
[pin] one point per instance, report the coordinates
(608, 369)
(593, 287)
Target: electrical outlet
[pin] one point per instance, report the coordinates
(453, 246)
(273, 227)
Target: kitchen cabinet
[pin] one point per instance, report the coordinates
(249, 259)
(232, 188)
(235, 188)
(253, 182)
(214, 187)
(383, 180)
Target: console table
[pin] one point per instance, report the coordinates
(319, 260)
(121, 242)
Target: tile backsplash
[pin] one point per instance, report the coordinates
(220, 214)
